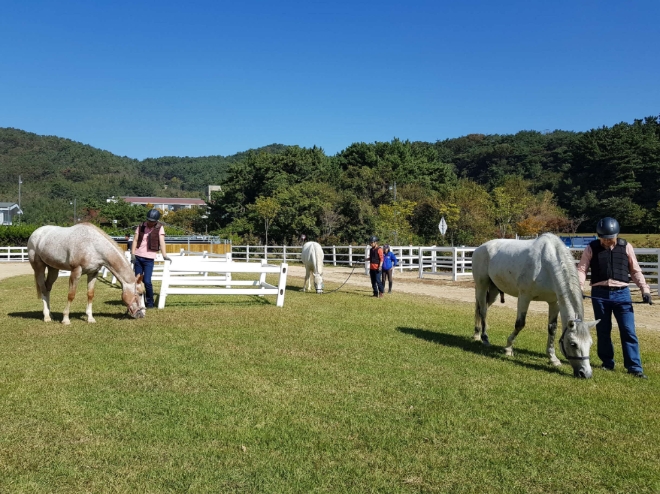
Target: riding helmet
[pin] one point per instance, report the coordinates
(153, 215)
(608, 228)
(373, 239)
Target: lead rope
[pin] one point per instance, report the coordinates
(332, 291)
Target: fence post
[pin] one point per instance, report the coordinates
(657, 278)
(334, 256)
(421, 263)
(247, 253)
(284, 253)
(434, 255)
(265, 253)
(454, 262)
(366, 260)
(350, 255)
(400, 259)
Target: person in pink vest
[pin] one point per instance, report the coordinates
(149, 239)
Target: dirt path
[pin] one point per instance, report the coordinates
(439, 286)
(9, 269)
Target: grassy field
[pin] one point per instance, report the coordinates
(333, 393)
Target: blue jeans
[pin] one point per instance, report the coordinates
(618, 303)
(376, 281)
(145, 267)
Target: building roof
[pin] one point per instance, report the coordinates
(174, 201)
(8, 205)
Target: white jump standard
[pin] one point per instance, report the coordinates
(215, 278)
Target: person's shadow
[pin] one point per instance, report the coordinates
(466, 343)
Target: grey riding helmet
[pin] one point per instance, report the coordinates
(608, 228)
(373, 239)
(153, 215)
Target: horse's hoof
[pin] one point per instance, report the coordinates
(66, 323)
(555, 363)
(91, 320)
(508, 352)
(484, 339)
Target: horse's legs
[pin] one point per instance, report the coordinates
(91, 280)
(42, 292)
(73, 285)
(553, 312)
(308, 280)
(486, 293)
(523, 305)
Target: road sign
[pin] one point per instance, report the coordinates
(442, 226)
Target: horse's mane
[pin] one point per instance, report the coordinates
(109, 238)
(569, 275)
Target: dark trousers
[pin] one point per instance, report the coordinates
(387, 276)
(376, 281)
(145, 267)
(617, 303)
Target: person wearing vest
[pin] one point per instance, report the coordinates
(613, 264)
(149, 238)
(376, 267)
(389, 261)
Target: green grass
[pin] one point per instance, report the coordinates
(333, 393)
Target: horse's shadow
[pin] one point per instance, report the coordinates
(57, 316)
(467, 344)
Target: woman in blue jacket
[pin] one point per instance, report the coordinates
(389, 261)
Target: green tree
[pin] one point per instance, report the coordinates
(266, 208)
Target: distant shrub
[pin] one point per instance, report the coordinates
(16, 235)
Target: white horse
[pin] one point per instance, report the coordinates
(312, 258)
(540, 269)
(81, 249)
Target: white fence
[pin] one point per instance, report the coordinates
(13, 254)
(453, 261)
(213, 277)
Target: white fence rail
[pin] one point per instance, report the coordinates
(13, 254)
(213, 277)
(427, 261)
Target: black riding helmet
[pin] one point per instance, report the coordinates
(373, 239)
(153, 215)
(608, 228)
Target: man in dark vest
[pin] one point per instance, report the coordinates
(375, 260)
(613, 264)
(149, 238)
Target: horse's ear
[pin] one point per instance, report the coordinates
(592, 324)
(139, 278)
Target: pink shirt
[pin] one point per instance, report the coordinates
(141, 250)
(633, 267)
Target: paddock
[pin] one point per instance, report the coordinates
(234, 393)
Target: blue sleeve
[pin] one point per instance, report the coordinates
(395, 261)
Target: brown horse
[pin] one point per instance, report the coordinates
(81, 249)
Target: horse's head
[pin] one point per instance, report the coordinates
(132, 297)
(575, 343)
(318, 283)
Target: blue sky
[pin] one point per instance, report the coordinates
(197, 78)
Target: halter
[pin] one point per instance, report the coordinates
(563, 348)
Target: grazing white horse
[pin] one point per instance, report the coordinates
(81, 249)
(312, 258)
(541, 269)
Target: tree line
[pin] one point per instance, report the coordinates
(485, 186)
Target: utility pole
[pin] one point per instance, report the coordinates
(75, 219)
(20, 211)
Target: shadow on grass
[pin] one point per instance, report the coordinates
(216, 301)
(467, 344)
(57, 316)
